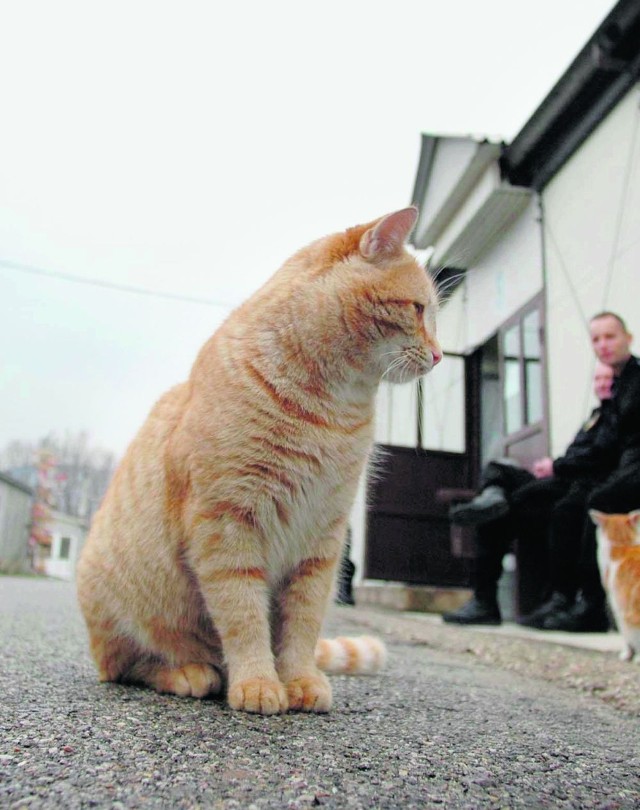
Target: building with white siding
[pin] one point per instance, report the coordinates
(534, 237)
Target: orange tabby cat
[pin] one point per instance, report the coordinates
(213, 555)
(619, 562)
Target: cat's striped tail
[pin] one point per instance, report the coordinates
(359, 655)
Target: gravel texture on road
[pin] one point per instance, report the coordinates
(600, 674)
(458, 719)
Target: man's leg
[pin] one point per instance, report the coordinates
(575, 565)
(497, 482)
(493, 540)
(531, 509)
(506, 475)
(567, 530)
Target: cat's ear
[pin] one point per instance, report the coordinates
(387, 236)
(634, 517)
(596, 517)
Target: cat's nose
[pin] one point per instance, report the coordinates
(436, 356)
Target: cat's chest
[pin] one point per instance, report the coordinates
(311, 519)
(604, 557)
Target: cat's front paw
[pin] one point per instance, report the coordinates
(258, 695)
(309, 693)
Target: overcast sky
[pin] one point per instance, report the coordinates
(190, 147)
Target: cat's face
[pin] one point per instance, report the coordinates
(390, 301)
(402, 307)
(358, 301)
(619, 530)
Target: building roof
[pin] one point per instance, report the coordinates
(7, 479)
(601, 74)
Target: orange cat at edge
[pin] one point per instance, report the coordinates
(211, 561)
(619, 563)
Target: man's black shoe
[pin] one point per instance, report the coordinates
(490, 504)
(475, 611)
(557, 603)
(583, 617)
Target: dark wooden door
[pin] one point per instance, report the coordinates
(408, 532)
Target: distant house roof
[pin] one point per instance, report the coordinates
(62, 518)
(600, 75)
(7, 479)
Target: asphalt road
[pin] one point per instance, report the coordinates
(438, 728)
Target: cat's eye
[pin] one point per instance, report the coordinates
(419, 309)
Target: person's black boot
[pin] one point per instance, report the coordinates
(475, 611)
(583, 617)
(557, 603)
(490, 504)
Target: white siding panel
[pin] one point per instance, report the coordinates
(504, 279)
(451, 158)
(404, 415)
(15, 517)
(443, 407)
(382, 431)
(358, 524)
(592, 234)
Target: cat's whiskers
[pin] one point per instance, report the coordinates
(452, 281)
(399, 362)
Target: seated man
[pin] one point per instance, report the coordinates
(620, 490)
(544, 510)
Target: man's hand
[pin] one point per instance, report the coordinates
(543, 467)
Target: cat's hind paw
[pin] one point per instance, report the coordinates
(191, 680)
(310, 693)
(258, 696)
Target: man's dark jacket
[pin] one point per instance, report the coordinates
(595, 450)
(626, 398)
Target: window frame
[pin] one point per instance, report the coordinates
(541, 424)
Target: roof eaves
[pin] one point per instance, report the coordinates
(486, 153)
(498, 212)
(604, 70)
(14, 483)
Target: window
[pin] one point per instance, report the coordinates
(65, 548)
(532, 358)
(522, 383)
(512, 389)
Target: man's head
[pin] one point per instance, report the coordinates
(610, 340)
(602, 381)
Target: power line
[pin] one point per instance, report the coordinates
(91, 282)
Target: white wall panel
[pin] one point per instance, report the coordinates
(382, 431)
(397, 414)
(505, 278)
(404, 415)
(592, 236)
(443, 407)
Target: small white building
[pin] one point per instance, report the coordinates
(68, 535)
(15, 517)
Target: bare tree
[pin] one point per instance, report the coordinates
(80, 475)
